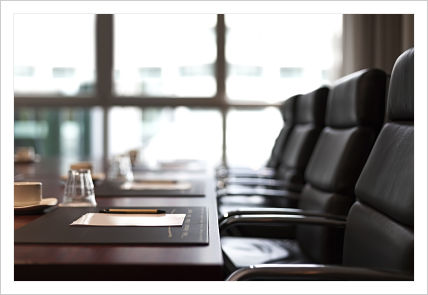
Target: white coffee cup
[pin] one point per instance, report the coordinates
(25, 153)
(29, 194)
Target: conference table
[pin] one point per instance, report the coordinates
(115, 262)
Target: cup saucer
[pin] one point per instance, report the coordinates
(38, 208)
(36, 159)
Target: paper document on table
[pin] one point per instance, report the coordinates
(105, 219)
(146, 185)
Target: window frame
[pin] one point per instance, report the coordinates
(104, 95)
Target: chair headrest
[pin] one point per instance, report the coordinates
(288, 109)
(401, 88)
(310, 107)
(357, 99)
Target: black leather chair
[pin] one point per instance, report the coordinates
(288, 112)
(291, 163)
(379, 240)
(309, 121)
(355, 113)
(287, 109)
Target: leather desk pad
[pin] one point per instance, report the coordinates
(55, 228)
(109, 189)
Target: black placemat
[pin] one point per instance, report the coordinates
(55, 228)
(111, 189)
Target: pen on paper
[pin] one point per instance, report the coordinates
(132, 211)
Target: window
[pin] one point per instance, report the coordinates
(272, 57)
(165, 55)
(251, 134)
(73, 133)
(180, 85)
(54, 54)
(167, 133)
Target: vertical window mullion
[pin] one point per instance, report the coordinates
(221, 78)
(221, 62)
(104, 69)
(104, 56)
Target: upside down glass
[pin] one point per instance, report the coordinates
(121, 169)
(79, 189)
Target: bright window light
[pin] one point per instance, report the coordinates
(167, 133)
(54, 54)
(165, 55)
(251, 135)
(271, 57)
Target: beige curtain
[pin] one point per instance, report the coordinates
(375, 40)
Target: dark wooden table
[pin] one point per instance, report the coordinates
(117, 262)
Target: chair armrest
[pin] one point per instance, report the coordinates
(278, 220)
(245, 172)
(252, 191)
(288, 211)
(315, 272)
(270, 182)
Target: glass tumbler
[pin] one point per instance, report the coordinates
(121, 169)
(79, 189)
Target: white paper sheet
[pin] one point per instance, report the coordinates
(105, 219)
(156, 186)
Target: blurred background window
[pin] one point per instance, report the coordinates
(167, 133)
(268, 58)
(170, 55)
(74, 133)
(54, 54)
(273, 56)
(251, 135)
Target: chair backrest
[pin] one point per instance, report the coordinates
(288, 110)
(379, 231)
(355, 113)
(308, 123)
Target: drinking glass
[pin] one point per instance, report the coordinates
(121, 169)
(79, 189)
